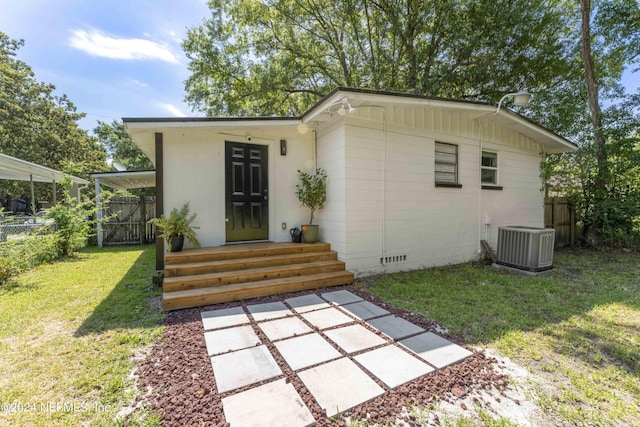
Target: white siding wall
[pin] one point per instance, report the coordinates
(194, 172)
(331, 158)
(392, 207)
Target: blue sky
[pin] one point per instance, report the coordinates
(113, 58)
(116, 58)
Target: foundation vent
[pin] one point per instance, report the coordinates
(394, 259)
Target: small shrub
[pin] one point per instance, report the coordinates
(7, 270)
(25, 253)
(73, 226)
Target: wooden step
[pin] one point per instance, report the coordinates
(238, 291)
(181, 283)
(242, 251)
(193, 268)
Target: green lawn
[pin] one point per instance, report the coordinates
(68, 333)
(577, 329)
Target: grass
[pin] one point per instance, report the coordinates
(69, 330)
(577, 329)
(68, 333)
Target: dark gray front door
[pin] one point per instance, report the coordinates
(247, 201)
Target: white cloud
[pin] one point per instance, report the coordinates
(138, 83)
(172, 109)
(97, 44)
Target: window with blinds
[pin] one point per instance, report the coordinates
(446, 157)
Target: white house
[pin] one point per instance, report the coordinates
(413, 181)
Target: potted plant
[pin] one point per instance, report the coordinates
(177, 227)
(311, 191)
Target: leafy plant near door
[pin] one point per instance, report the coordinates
(311, 191)
(177, 227)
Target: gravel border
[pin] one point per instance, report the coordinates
(178, 374)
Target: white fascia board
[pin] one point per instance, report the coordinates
(370, 99)
(154, 124)
(554, 143)
(21, 170)
(541, 134)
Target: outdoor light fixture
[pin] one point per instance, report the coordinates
(520, 98)
(344, 107)
(303, 128)
(283, 147)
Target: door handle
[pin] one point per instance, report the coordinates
(226, 220)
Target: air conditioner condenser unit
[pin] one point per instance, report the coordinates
(526, 248)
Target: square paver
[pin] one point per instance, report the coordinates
(341, 297)
(395, 327)
(354, 338)
(327, 318)
(339, 385)
(392, 365)
(436, 350)
(224, 318)
(235, 338)
(273, 404)
(269, 311)
(243, 367)
(307, 303)
(305, 351)
(364, 310)
(284, 328)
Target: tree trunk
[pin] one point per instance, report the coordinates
(602, 175)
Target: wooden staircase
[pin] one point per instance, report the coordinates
(197, 277)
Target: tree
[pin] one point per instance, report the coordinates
(120, 147)
(602, 175)
(253, 58)
(38, 126)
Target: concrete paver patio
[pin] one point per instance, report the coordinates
(272, 404)
(341, 347)
(284, 328)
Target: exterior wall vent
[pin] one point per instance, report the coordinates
(526, 248)
(394, 259)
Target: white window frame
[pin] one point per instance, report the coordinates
(455, 163)
(493, 168)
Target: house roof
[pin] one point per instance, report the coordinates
(15, 169)
(553, 142)
(126, 180)
(142, 129)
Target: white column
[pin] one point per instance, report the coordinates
(99, 212)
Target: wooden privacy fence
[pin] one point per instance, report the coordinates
(127, 223)
(560, 215)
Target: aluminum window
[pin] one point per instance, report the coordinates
(489, 168)
(446, 163)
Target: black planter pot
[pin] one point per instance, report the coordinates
(176, 243)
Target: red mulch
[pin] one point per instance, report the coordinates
(179, 376)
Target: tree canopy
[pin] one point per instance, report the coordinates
(120, 147)
(39, 126)
(254, 57)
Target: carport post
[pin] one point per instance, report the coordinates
(33, 201)
(99, 212)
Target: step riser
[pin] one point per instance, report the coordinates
(229, 253)
(245, 264)
(248, 276)
(250, 292)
